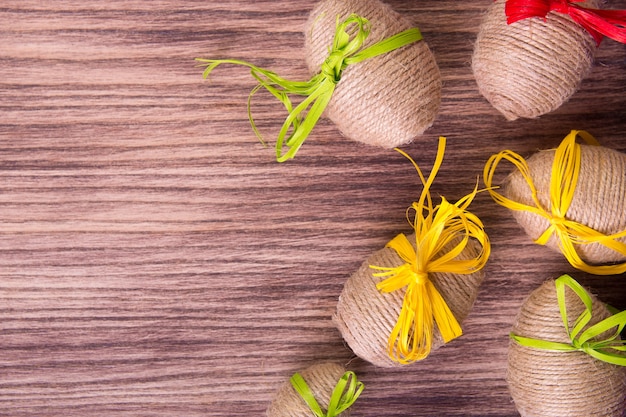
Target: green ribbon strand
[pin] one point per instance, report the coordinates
(346, 50)
(344, 395)
(607, 350)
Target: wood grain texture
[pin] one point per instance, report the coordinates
(155, 260)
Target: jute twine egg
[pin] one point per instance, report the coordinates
(599, 199)
(366, 316)
(530, 67)
(546, 383)
(321, 379)
(387, 100)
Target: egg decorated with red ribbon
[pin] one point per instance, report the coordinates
(526, 64)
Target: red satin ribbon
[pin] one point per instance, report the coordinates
(599, 23)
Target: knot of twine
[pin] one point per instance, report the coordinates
(565, 173)
(346, 49)
(611, 349)
(599, 23)
(436, 228)
(344, 394)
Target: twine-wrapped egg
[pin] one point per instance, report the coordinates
(366, 316)
(372, 74)
(572, 199)
(532, 66)
(410, 297)
(318, 384)
(552, 383)
(599, 200)
(387, 100)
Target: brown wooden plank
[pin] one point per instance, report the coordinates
(156, 260)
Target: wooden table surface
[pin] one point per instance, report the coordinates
(155, 260)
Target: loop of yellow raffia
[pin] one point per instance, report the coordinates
(442, 233)
(563, 181)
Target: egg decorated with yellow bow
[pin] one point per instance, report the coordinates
(410, 297)
(367, 316)
(571, 199)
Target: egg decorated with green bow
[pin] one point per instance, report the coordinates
(556, 370)
(387, 100)
(322, 389)
(371, 73)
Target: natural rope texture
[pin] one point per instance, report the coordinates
(386, 101)
(366, 316)
(599, 23)
(344, 50)
(530, 67)
(601, 341)
(599, 200)
(561, 384)
(344, 395)
(321, 379)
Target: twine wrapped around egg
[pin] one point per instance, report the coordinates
(565, 356)
(411, 297)
(321, 390)
(571, 199)
(386, 101)
(530, 56)
(373, 75)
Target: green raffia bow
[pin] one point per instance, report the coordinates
(346, 50)
(583, 342)
(344, 395)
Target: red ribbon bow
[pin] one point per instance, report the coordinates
(599, 23)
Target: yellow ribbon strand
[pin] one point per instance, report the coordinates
(442, 233)
(563, 181)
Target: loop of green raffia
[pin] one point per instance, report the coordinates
(343, 396)
(611, 349)
(346, 50)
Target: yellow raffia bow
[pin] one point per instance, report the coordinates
(346, 50)
(565, 173)
(436, 229)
